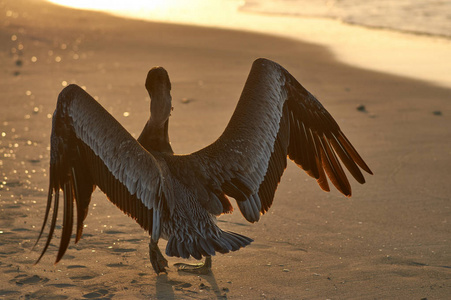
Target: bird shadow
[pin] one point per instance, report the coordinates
(166, 287)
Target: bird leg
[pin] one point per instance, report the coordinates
(201, 268)
(159, 263)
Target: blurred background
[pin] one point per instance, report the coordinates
(382, 35)
(415, 16)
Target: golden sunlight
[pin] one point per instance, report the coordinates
(108, 5)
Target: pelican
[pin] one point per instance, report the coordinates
(178, 197)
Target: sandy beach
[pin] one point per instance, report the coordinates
(391, 240)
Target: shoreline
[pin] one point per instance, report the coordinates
(367, 15)
(390, 51)
(393, 233)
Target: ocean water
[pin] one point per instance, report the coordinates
(431, 17)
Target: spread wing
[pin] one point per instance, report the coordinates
(275, 118)
(90, 148)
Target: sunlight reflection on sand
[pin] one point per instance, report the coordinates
(420, 57)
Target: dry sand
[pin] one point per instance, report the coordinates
(391, 240)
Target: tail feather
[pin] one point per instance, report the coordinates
(235, 240)
(200, 246)
(193, 248)
(222, 246)
(182, 250)
(206, 248)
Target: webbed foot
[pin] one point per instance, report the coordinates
(200, 268)
(159, 263)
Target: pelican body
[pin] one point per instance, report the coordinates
(178, 197)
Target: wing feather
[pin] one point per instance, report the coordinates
(275, 118)
(90, 148)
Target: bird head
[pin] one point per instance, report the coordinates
(158, 86)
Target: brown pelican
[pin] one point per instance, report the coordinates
(177, 197)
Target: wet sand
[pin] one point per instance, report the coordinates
(390, 240)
